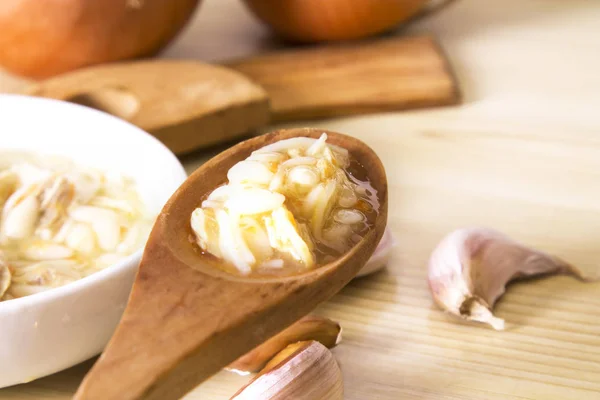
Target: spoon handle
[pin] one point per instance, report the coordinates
(181, 325)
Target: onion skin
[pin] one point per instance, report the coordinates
(310, 21)
(42, 38)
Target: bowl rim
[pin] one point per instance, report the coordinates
(131, 261)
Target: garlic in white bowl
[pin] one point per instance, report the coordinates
(60, 222)
(54, 329)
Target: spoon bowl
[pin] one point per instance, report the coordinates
(186, 319)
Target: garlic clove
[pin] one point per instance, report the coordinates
(249, 201)
(267, 157)
(323, 208)
(285, 354)
(303, 176)
(120, 205)
(81, 238)
(317, 146)
(131, 239)
(252, 172)
(322, 330)
(29, 174)
(56, 196)
(20, 213)
(349, 217)
(381, 255)
(469, 270)
(104, 222)
(47, 251)
(8, 184)
(87, 184)
(283, 233)
(231, 242)
(302, 371)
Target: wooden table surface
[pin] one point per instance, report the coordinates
(522, 155)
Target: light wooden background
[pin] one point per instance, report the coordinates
(522, 155)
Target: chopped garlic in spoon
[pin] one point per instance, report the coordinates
(286, 204)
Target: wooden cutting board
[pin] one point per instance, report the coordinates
(537, 183)
(372, 76)
(190, 105)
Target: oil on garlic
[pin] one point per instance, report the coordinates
(288, 207)
(60, 222)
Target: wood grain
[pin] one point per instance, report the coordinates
(536, 183)
(186, 105)
(381, 75)
(190, 105)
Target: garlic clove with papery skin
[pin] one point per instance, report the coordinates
(381, 255)
(302, 371)
(310, 327)
(469, 270)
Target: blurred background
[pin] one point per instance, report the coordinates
(511, 57)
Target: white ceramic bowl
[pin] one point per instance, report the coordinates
(53, 330)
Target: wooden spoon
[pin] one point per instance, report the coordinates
(186, 319)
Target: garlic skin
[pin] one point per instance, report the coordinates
(381, 255)
(310, 327)
(469, 270)
(302, 371)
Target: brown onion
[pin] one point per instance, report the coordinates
(41, 38)
(333, 20)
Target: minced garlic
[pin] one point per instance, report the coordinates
(60, 222)
(286, 204)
